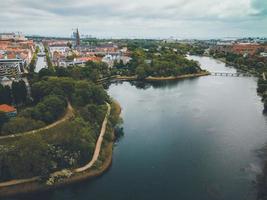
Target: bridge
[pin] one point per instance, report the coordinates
(233, 74)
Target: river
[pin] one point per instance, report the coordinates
(193, 139)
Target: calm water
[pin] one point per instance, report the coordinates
(192, 139)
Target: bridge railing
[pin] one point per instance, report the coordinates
(235, 74)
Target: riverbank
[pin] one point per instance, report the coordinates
(242, 68)
(152, 78)
(34, 185)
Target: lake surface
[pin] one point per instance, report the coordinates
(193, 139)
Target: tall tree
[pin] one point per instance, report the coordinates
(19, 91)
(5, 95)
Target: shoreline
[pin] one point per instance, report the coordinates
(236, 66)
(34, 185)
(151, 78)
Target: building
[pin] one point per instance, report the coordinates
(61, 49)
(107, 48)
(12, 37)
(110, 59)
(8, 110)
(246, 48)
(263, 54)
(223, 47)
(11, 68)
(77, 38)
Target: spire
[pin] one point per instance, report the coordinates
(78, 42)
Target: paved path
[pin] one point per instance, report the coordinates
(98, 143)
(263, 76)
(86, 167)
(67, 116)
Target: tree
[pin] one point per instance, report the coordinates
(19, 91)
(79, 138)
(140, 72)
(88, 93)
(3, 119)
(46, 72)
(94, 113)
(62, 72)
(69, 44)
(5, 95)
(265, 105)
(20, 124)
(29, 157)
(49, 109)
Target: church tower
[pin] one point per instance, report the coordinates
(78, 39)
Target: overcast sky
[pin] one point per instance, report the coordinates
(136, 18)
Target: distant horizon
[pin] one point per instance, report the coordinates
(147, 38)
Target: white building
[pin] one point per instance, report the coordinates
(263, 54)
(10, 68)
(61, 49)
(110, 59)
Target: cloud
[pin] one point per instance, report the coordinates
(141, 18)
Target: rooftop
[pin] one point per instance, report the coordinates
(6, 108)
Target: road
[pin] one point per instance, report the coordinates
(41, 60)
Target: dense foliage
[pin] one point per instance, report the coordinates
(157, 62)
(16, 94)
(67, 145)
(252, 63)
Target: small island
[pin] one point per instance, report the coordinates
(157, 62)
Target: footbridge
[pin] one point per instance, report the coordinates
(233, 74)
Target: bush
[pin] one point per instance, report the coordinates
(20, 124)
(29, 157)
(50, 109)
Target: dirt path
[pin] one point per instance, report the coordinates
(98, 143)
(67, 116)
(86, 167)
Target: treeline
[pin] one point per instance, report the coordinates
(252, 63)
(92, 71)
(163, 61)
(48, 59)
(262, 89)
(32, 64)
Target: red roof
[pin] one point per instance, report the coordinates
(6, 108)
(85, 59)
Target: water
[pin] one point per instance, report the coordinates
(191, 139)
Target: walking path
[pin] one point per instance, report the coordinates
(263, 76)
(98, 143)
(69, 114)
(86, 167)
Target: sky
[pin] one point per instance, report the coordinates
(136, 18)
